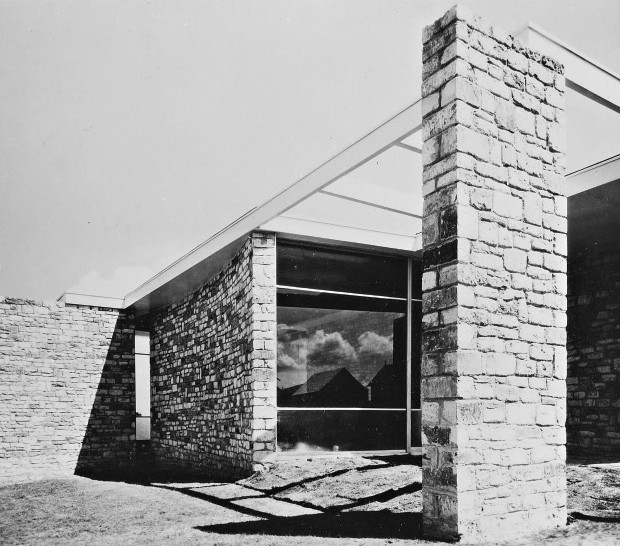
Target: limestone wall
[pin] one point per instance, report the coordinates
(593, 424)
(213, 370)
(66, 389)
(494, 282)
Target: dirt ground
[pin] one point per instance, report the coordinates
(320, 501)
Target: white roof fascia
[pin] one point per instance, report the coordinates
(398, 127)
(70, 298)
(583, 75)
(593, 176)
(291, 226)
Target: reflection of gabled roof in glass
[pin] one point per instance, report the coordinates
(370, 194)
(318, 381)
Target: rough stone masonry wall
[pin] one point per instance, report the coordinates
(494, 283)
(593, 425)
(213, 370)
(66, 389)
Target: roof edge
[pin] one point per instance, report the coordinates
(72, 298)
(399, 126)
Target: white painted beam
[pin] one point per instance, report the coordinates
(593, 176)
(374, 143)
(583, 75)
(291, 227)
(352, 198)
(408, 147)
(70, 298)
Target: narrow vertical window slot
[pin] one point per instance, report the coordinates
(143, 386)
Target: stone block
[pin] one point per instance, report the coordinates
(499, 363)
(430, 414)
(448, 275)
(439, 121)
(488, 233)
(515, 260)
(429, 280)
(507, 206)
(430, 229)
(540, 316)
(494, 413)
(525, 121)
(555, 222)
(532, 208)
(439, 387)
(467, 222)
(462, 89)
(430, 103)
(555, 263)
(431, 150)
(521, 414)
(469, 363)
(546, 415)
(487, 261)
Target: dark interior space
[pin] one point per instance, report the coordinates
(593, 333)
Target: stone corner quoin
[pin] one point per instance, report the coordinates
(494, 283)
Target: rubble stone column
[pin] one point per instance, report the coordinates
(494, 284)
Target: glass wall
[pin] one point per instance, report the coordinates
(344, 352)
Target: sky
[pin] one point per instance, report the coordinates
(132, 131)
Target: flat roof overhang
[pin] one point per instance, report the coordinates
(331, 204)
(190, 272)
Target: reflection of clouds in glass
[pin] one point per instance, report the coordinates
(296, 350)
(373, 343)
(293, 354)
(286, 361)
(329, 349)
(287, 333)
(292, 347)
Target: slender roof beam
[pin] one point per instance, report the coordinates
(583, 75)
(368, 203)
(408, 147)
(398, 127)
(595, 175)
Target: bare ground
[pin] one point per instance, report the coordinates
(321, 501)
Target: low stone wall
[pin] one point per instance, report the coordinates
(66, 389)
(593, 425)
(213, 370)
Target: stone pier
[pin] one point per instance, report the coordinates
(494, 284)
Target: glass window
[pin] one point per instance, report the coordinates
(341, 270)
(143, 385)
(342, 350)
(341, 357)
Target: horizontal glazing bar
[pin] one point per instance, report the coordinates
(344, 409)
(329, 454)
(355, 294)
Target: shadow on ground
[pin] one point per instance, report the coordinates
(355, 498)
(342, 525)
